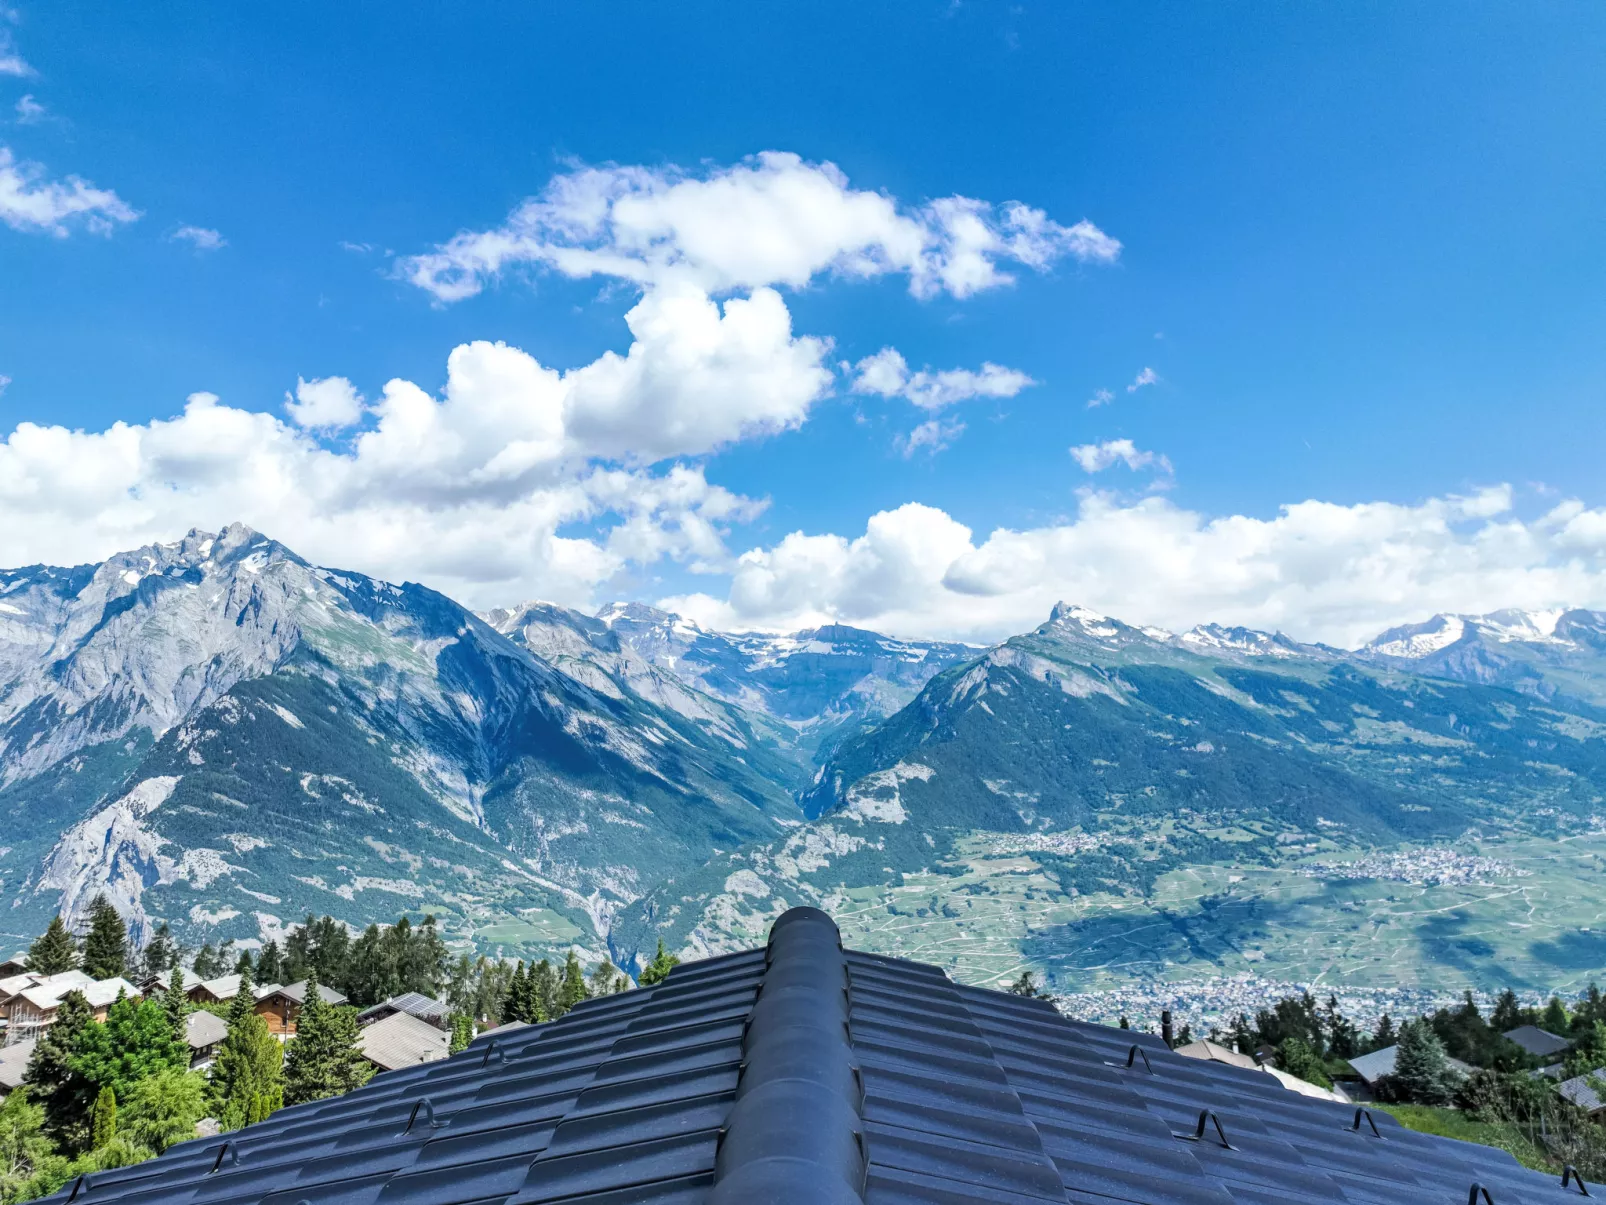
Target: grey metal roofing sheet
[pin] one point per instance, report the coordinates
(806, 1074)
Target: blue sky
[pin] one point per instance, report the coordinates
(1361, 254)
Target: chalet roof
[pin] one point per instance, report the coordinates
(1203, 1049)
(1373, 1067)
(99, 992)
(809, 1075)
(203, 1029)
(402, 1040)
(13, 1062)
(298, 992)
(14, 985)
(1581, 1092)
(1538, 1042)
(224, 987)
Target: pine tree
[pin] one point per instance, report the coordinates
(1507, 1013)
(26, 1152)
(541, 993)
(572, 988)
(161, 954)
(1422, 1073)
(462, 1033)
(1026, 985)
(55, 1085)
(270, 964)
(518, 997)
(163, 1109)
(658, 969)
(1241, 1036)
(606, 979)
(206, 964)
(1386, 1035)
(1343, 1040)
(1555, 1019)
(244, 999)
(176, 1005)
(103, 1119)
(250, 1063)
(1295, 1056)
(106, 944)
(323, 1059)
(137, 1040)
(54, 951)
(243, 965)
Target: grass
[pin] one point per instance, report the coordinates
(1451, 1123)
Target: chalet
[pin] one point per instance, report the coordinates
(216, 991)
(1585, 1091)
(16, 964)
(810, 1074)
(415, 1004)
(33, 1010)
(204, 1032)
(1542, 1044)
(1373, 1067)
(402, 1040)
(280, 1004)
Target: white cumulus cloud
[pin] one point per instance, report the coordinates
(774, 219)
(931, 437)
(1095, 458)
(31, 202)
(887, 373)
(1147, 377)
(200, 237)
(1317, 570)
(29, 111)
(470, 491)
(11, 61)
(329, 404)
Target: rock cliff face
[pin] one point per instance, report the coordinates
(215, 725)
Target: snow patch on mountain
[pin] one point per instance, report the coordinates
(1420, 639)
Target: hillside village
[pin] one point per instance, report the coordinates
(109, 1054)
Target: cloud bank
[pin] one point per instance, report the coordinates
(1319, 571)
(521, 479)
(774, 219)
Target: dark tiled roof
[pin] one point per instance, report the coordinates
(805, 1075)
(1538, 1042)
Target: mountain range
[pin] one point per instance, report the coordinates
(225, 737)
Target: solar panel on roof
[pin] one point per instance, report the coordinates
(802, 1073)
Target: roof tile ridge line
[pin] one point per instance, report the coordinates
(795, 1135)
(959, 999)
